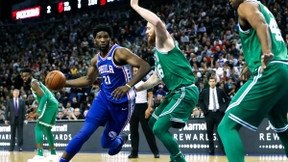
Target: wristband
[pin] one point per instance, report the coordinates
(128, 86)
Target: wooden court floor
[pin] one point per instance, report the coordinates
(6, 156)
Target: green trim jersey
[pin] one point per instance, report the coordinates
(173, 68)
(251, 45)
(50, 96)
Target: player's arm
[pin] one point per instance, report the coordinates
(161, 32)
(123, 56)
(87, 80)
(150, 83)
(250, 12)
(37, 89)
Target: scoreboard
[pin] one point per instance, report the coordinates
(59, 7)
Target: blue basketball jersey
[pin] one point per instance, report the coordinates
(114, 76)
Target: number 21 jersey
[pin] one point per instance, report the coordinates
(114, 76)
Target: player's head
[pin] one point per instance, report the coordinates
(235, 3)
(150, 32)
(212, 82)
(102, 37)
(26, 75)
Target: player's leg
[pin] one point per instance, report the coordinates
(147, 131)
(175, 114)
(47, 120)
(161, 130)
(119, 117)
(39, 138)
(228, 132)
(157, 112)
(248, 108)
(134, 126)
(278, 115)
(96, 116)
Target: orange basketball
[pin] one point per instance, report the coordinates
(55, 80)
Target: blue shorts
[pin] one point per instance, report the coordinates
(113, 116)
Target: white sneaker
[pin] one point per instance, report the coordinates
(54, 158)
(36, 158)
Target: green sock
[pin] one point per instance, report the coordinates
(40, 151)
(179, 157)
(53, 151)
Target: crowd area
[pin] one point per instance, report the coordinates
(206, 31)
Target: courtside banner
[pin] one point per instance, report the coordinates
(191, 139)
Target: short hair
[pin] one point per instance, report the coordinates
(26, 70)
(212, 77)
(105, 28)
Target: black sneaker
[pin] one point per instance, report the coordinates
(115, 151)
(156, 155)
(132, 156)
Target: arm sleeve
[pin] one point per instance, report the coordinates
(42, 103)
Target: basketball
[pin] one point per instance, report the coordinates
(55, 80)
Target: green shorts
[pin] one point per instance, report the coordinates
(263, 95)
(178, 104)
(49, 114)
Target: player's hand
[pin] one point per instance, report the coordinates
(6, 122)
(265, 59)
(36, 115)
(134, 3)
(147, 113)
(119, 92)
(245, 74)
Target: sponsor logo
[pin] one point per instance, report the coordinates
(112, 134)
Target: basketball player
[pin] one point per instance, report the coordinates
(115, 102)
(265, 93)
(45, 115)
(174, 70)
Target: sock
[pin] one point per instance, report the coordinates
(40, 151)
(63, 160)
(179, 157)
(228, 132)
(53, 152)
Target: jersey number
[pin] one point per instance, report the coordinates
(274, 27)
(160, 71)
(107, 79)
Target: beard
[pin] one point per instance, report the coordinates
(105, 48)
(27, 84)
(151, 39)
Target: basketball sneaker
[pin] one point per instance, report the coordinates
(37, 158)
(116, 149)
(53, 158)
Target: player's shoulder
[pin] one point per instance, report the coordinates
(121, 50)
(94, 59)
(247, 6)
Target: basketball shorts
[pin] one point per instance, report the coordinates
(263, 95)
(111, 115)
(49, 113)
(179, 105)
